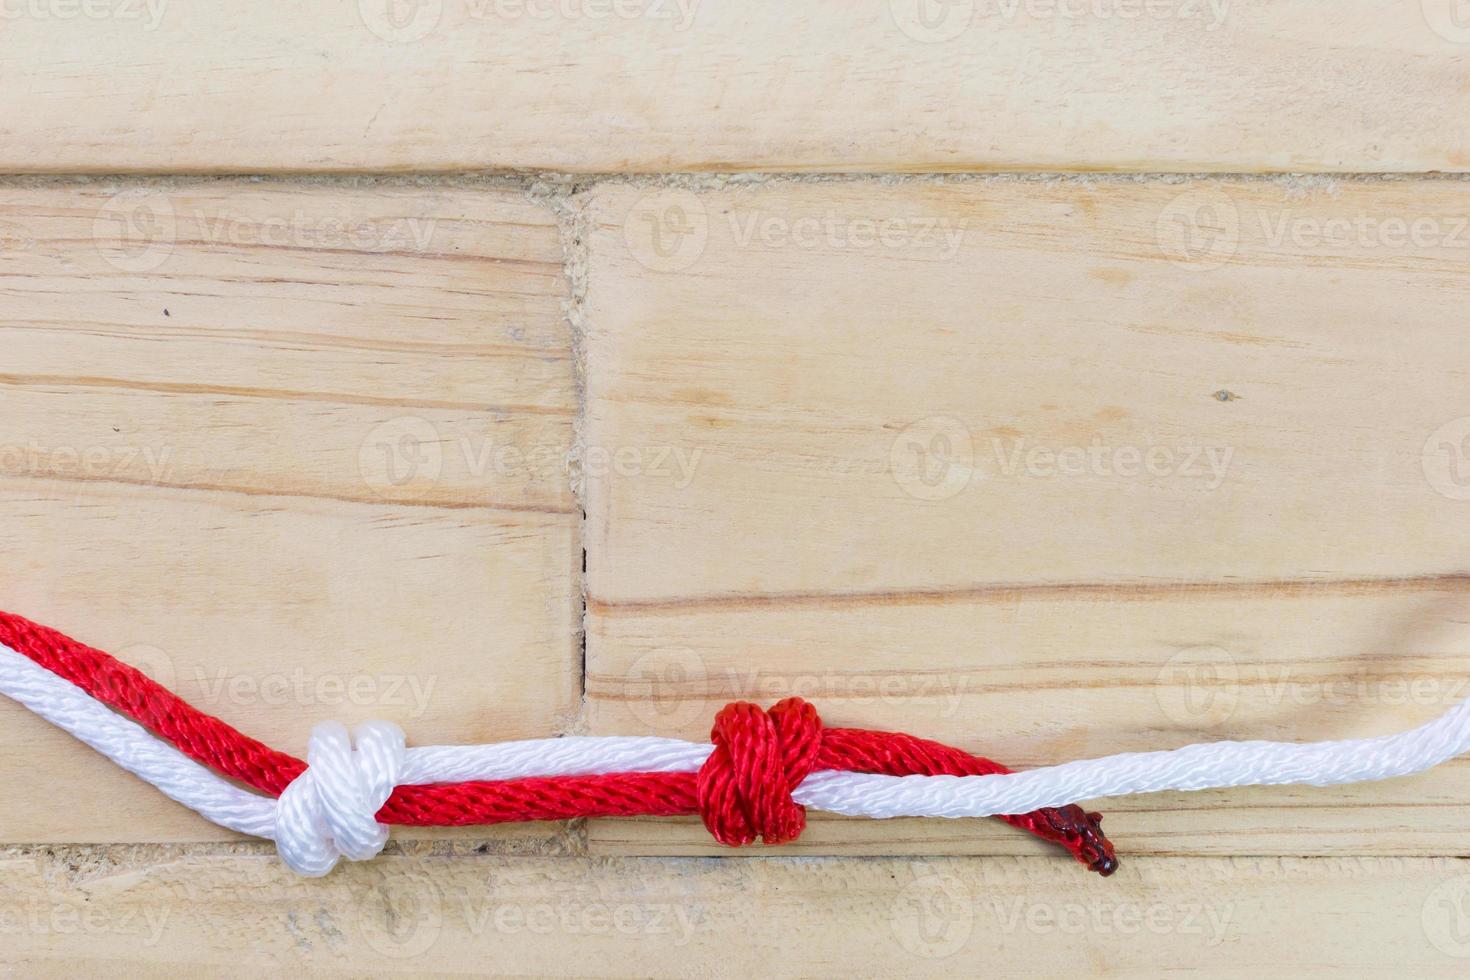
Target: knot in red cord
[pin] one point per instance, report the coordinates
(759, 757)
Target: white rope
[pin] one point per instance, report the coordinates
(133, 747)
(329, 811)
(1209, 765)
(574, 755)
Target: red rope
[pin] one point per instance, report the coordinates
(743, 792)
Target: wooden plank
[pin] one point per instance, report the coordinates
(1048, 469)
(669, 85)
(530, 916)
(297, 451)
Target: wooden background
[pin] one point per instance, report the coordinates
(1053, 379)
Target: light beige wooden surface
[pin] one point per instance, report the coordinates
(297, 451)
(668, 85)
(321, 447)
(1048, 469)
(535, 916)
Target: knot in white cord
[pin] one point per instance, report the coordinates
(330, 810)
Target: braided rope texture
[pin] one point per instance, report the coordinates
(743, 791)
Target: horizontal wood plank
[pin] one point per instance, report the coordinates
(1048, 469)
(670, 85)
(529, 916)
(298, 452)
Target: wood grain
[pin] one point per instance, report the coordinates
(420, 915)
(1048, 469)
(297, 451)
(672, 85)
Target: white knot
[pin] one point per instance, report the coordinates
(330, 810)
